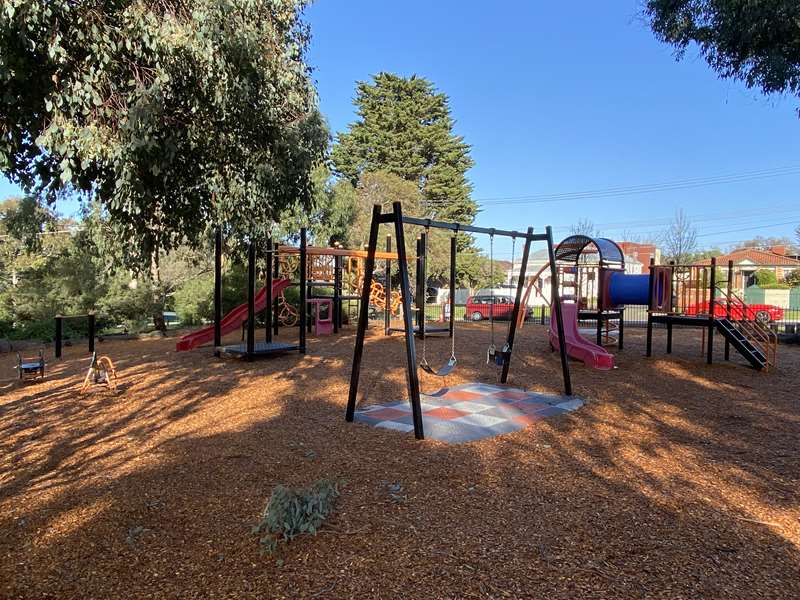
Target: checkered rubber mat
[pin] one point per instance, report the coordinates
(470, 412)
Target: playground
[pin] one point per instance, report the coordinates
(675, 479)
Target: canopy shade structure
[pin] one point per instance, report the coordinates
(571, 249)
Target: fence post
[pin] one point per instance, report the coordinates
(91, 331)
(59, 334)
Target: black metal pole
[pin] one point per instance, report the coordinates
(712, 299)
(251, 300)
(556, 304)
(59, 334)
(621, 330)
(453, 285)
(275, 275)
(303, 281)
(217, 290)
(408, 325)
(91, 318)
(599, 326)
(363, 313)
(387, 289)
(650, 307)
(728, 308)
(270, 301)
(337, 293)
(512, 327)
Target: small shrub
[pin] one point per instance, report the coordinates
(291, 512)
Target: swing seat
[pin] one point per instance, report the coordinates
(501, 358)
(444, 371)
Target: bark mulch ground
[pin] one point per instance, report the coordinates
(676, 480)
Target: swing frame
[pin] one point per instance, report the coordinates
(395, 217)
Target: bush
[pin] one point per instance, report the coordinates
(291, 512)
(792, 278)
(131, 307)
(765, 277)
(194, 301)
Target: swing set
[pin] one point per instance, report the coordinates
(501, 358)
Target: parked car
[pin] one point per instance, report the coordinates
(739, 311)
(479, 307)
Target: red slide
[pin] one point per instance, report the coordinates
(232, 321)
(579, 347)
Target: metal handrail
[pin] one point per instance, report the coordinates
(757, 333)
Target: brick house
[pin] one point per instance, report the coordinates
(746, 261)
(641, 253)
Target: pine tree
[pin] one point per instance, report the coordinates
(405, 128)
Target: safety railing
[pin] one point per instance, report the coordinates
(741, 315)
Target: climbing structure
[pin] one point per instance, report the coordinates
(701, 296)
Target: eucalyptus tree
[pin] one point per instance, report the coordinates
(171, 115)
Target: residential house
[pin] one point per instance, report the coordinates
(746, 261)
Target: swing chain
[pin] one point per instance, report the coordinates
(506, 347)
(424, 260)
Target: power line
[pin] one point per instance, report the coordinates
(751, 228)
(643, 188)
(713, 217)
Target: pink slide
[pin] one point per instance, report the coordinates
(579, 347)
(232, 321)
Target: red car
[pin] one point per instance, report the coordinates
(749, 312)
(478, 307)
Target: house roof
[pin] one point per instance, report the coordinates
(756, 256)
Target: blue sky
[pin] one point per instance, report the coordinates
(565, 97)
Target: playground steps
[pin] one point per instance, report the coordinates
(737, 335)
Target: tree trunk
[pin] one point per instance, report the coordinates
(157, 296)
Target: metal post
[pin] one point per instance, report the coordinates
(621, 330)
(363, 313)
(268, 304)
(556, 304)
(712, 288)
(91, 318)
(453, 284)
(303, 278)
(599, 327)
(59, 334)
(512, 327)
(408, 325)
(387, 289)
(650, 307)
(251, 300)
(275, 275)
(217, 291)
(337, 293)
(669, 338)
(728, 308)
